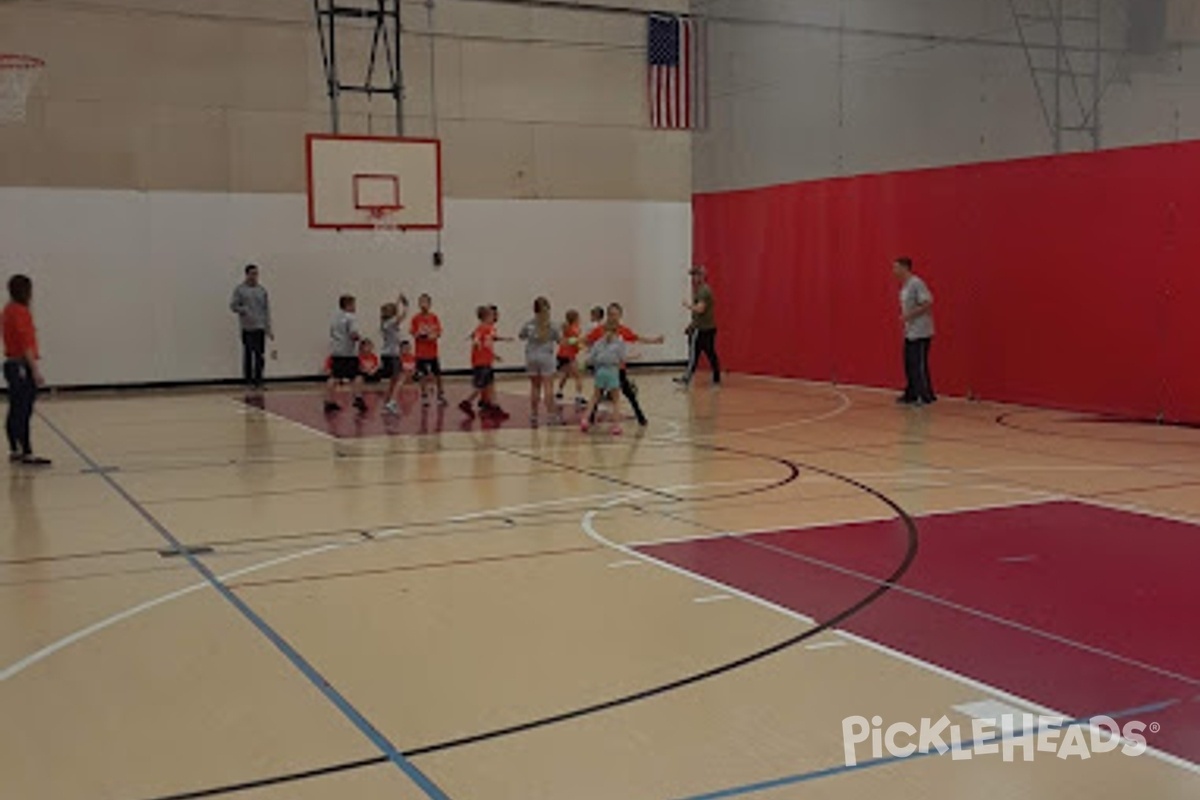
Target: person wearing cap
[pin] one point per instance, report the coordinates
(702, 332)
(253, 307)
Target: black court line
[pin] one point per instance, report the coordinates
(794, 470)
(591, 473)
(302, 665)
(1006, 420)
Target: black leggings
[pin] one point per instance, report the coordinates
(22, 391)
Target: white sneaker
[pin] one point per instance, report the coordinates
(391, 408)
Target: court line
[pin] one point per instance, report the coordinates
(588, 525)
(974, 612)
(295, 423)
(610, 704)
(348, 710)
(843, 769)
(14, 669)
(703, 537)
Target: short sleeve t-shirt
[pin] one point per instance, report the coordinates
(483, 346)
(389, 332)
(368, 362)
(539, 349)
(705, 320)
(426, 328)
(571, 341)
(343, 335)
(913, 294)
(20, 336)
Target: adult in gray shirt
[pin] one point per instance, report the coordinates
(253, 307)
(916, 314)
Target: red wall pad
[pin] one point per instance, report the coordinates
(1067, 281)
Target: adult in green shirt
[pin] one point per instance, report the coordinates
(702, 332)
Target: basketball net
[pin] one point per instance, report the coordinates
(385, 221)
(17, 76)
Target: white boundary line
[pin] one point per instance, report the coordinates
(587, 523)
(17, 667)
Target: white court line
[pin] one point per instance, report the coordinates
(294, 423)
(20, 666)
(17, 667)
(824, 645)
(712, 598)
(589, 528)
(624, 564)
(882, 517)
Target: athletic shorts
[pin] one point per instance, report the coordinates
(389, 366)
(564, 362)
(540, 366)
(344, 368)
(482, 377)
(428, 366)
(608, 378)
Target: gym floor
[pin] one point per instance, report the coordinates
(205, 597)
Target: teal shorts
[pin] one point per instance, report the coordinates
(608, 378)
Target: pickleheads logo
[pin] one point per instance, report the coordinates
(1005, 736)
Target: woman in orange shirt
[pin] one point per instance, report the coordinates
(21, 370)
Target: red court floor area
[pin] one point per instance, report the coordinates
(414, 419)
(1083, 609)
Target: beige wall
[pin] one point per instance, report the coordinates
(215, 95)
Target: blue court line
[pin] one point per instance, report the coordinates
(308, 670)
(842, 769)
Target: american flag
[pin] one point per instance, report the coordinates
(676, 85)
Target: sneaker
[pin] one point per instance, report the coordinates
(390, 407)
(581, 402)
(558, 396)
(35, 461)
(13, 458)
(442, 401)
(684, 379)
(495, 412)
(332, 407)
(360, 404)
(425, 400)
(465, 405)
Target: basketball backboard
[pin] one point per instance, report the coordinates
(352, 179)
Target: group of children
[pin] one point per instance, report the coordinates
(551, 353)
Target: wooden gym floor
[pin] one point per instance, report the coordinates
(205, 598)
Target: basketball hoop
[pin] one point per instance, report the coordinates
(385, 221)
(17, 76)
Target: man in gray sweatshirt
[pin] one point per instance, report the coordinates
(253, 307)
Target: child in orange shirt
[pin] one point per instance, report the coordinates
(426, 329)
(568, 353)
(483, 359)
(368, 361)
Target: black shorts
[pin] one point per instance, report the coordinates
(344, 368)
(389, 366)
(428, 366)
(482, 377)
(564, 362)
